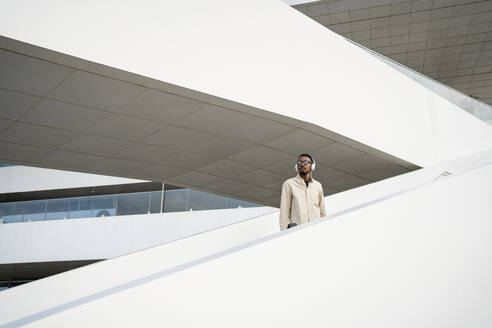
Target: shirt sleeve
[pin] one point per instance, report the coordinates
(285, 206)
(322, 209)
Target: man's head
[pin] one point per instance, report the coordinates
(304, 164)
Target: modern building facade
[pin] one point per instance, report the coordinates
(449, 40)
(218, 99)
(39, 206)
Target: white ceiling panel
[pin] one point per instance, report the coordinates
(260, 177)
(327, 191)
(14, 104)
(226, 168)
(347, 183)
(215, 120)
(274, 201)
(126, 128)
(70, 159)
(29, 75)
(300, 141)
(190, 160)
(101, 124)
(96, 145)
(161, 107)
(179, 138)
(260, 156)
(116, 166)
(159, 173)
(362, 164)
(147, 153)
(275, 185)
(21, 153)
(29, 134)
(196, 178)
(441, 29)
(64, 116)
(284, 167)
(259, 194)
(328, 174)
(261, 130)
(96, 91)
(335, 153)
(233, 187)
(221, 146)
(5, 124)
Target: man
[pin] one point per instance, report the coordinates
(302, 198)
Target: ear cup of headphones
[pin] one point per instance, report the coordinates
(295, 167)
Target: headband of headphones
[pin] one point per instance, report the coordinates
(313, 163)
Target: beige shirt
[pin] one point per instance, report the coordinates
(300, 204)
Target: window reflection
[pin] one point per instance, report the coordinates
(34, 211)
(155, 201)
(57, 209)
(132, 204)
(176, 200)
(198, 201)
(80, 208)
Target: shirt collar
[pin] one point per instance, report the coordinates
(301, 180)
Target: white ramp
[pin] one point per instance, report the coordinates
(43, 295)
(105, 238)
(416, 258)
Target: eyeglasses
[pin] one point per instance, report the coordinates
(305, 162)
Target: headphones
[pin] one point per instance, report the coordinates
(313, 164)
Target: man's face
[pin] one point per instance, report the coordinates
(304, 164)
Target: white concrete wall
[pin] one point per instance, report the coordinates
(96, 278)
(406, 242)
(108, 237)
(96, 238)
(261, 53)
(25, 178)
(367, 194)
(420, 259)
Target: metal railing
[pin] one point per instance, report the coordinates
(176, 200)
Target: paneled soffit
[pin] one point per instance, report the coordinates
(447, 40)
(62, 112)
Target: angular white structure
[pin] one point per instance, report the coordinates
(136, 266)
(223, 101)
(217, 107)
(405, 258)
(104, 238)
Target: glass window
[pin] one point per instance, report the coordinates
(128, 204)
(155, 201)
(103, 206)
(57, 209)
(34, 211)
(17, 212)
(198, 201)
(235, 203)
(80, 208)
(7, 213)
(175, 200)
